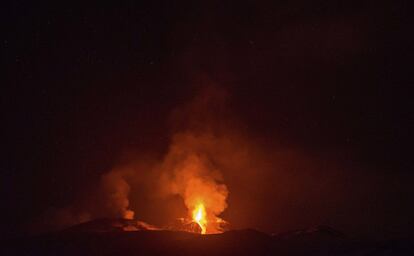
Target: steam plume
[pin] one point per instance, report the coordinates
(117, 191)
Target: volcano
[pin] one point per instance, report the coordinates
(131, 237)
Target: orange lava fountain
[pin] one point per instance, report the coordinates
(199, 216)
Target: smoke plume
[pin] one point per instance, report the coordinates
(188, 170)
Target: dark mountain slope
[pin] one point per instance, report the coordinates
(107, 237)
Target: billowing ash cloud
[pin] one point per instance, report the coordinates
(188, 170)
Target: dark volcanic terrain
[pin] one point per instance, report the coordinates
(107, 237)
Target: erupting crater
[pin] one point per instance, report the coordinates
(199, 216)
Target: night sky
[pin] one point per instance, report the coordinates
(327, 80)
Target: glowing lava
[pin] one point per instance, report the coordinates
(199, 216)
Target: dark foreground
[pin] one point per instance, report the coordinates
(319, 241)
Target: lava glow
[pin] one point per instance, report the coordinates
(199, 216)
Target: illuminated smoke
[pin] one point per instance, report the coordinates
(189, 172)
(188, 169)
